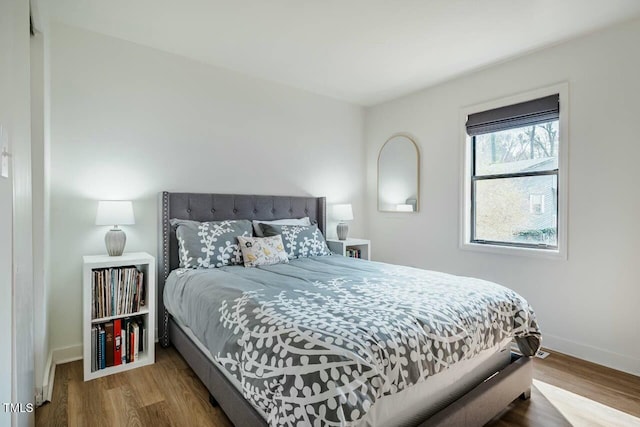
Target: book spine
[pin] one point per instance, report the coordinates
(126, 343)
(125, 284)
(105, 285)
(143, 291)
(99, 278)
(107, 288)
(109, 343)
(98, 348)
(123, 346)
(117, 342)
(93, 294)
(112, 298)
(132, 298)
(141, 334)
(126, 295)
(143, 345)
(130, 292)
(122, 284)
(136, 339)
(121, 296)
(94, 333)
(103, 310)
(130, 337)
(136, 292)
(101, 349)
(99, 295)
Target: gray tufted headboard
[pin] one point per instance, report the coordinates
(216, 207)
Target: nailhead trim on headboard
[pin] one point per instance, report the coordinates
(165, 262)
(165, 232)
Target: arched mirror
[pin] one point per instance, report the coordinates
(398, 175)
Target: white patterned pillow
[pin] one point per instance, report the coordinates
(299, 241)
(262, 250)
(210, 244)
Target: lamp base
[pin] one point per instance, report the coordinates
(115, 239)
(343, 231)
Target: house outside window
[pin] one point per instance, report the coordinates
(513, 162)
(536, 204)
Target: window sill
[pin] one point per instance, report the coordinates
(555, 254)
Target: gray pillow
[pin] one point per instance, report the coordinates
(210, 244)
(299, 241)
(287, 221)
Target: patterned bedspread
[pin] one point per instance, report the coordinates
(319, 340)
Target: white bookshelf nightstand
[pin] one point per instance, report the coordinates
(351, 247)
(144, 317)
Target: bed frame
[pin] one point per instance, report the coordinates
(475, 408)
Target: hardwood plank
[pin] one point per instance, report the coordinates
(157, 415)
(75, 408)
(598, 383)
(115, 381)
(55, 414)
(164, 355)
(198, 393)
(122, 407)
(579, 410)
(567, 391)
(537, 411)
(144, 386)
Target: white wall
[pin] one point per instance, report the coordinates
(40, 206)
(40, 173)
(588, 305)
(128, 121)
(8, 16)
(16, 306)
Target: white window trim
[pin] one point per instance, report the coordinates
(561, 252)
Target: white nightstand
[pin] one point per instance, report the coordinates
(351, 247)
(122, 273)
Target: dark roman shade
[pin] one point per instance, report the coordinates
(513, 116)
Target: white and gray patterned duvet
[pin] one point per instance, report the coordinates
(319, 340)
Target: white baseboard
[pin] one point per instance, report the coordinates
(67, 354)
(58, 357)
(607, 358)
(39, 397)
(47, 381)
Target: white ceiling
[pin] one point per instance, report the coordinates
(362, 51)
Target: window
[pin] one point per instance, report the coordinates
(513, 175)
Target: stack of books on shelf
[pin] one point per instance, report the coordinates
(117, 291)
(354, 253)
(117, 342)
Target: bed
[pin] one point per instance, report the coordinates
(364, 365)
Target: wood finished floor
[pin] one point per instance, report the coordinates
(567, 391)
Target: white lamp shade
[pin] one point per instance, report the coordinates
(115, 212)
(343, 212)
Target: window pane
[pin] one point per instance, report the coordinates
(526, 149)
(517, 210)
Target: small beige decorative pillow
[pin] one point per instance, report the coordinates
(262, 250)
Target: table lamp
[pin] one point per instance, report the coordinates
(343, 213)
(115, 213)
